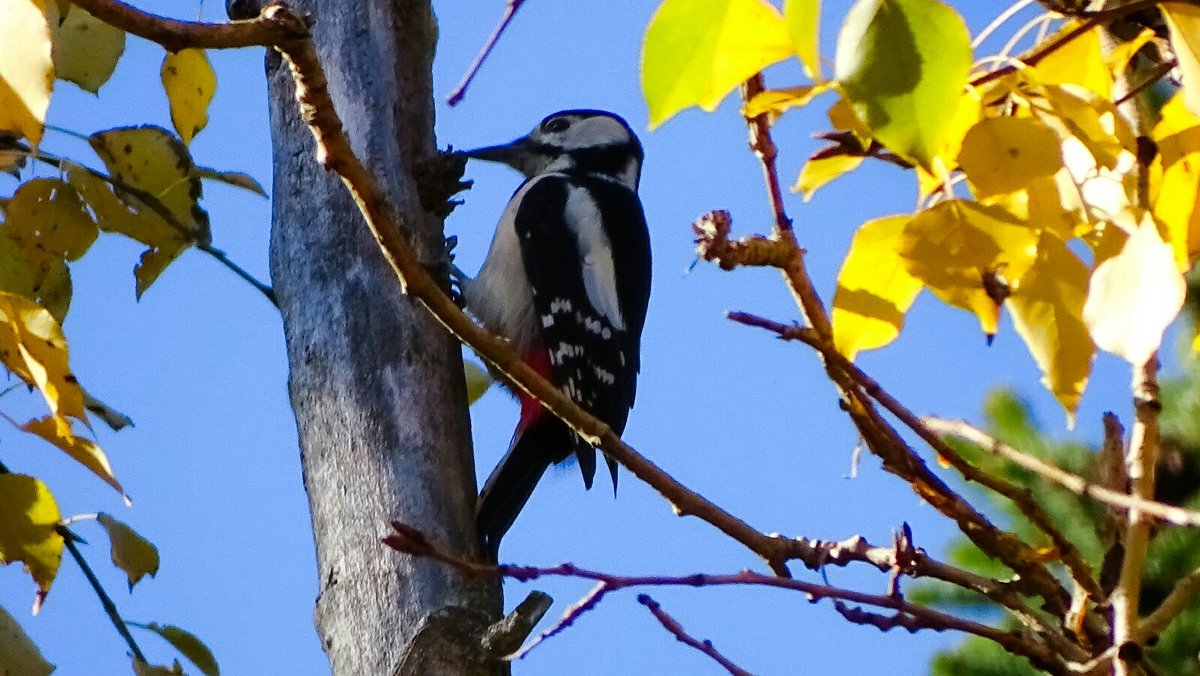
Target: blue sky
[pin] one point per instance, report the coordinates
(750, 422)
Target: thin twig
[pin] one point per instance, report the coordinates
(672, 625)
(510, 10)
(1021, 497)
(106, 601)
(1182, 597)
(1090, 21)
(1073, 482)
(1160, 71)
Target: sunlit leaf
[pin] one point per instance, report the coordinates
(815, 174)
(155, 177)
(237, 179)
(28, 517)
(1047, 310)
(26, 67)
(874, 290)
(33, 347)
(1176, 179)
(1135, 295)
(777, 101)
(47, 214)
(57, 431)
(696, 51)
(478, 381)
(1080, 62)
(904, 64)
(130, 552)
(19, 655)
(959, 248)
(1183, 22)
(190, 84)
(187, 644)
(804, 25)
(1122, 53)
(86, 50)
(1005, 154)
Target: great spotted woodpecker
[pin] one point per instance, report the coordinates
(566, 281)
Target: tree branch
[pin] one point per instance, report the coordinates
(911, 616)
(510, 10)
(672, 625)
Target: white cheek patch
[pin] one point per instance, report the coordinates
(599, 273)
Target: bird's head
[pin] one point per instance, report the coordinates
(573, 141)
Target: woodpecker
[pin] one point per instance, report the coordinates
(567, 282)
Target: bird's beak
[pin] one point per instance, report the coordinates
(516, 154)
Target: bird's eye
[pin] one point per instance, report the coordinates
(556, 125)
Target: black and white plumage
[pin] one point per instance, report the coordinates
(567, 281)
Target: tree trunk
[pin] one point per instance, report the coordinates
(376, 383)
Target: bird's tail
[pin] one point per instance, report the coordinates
(506, 491)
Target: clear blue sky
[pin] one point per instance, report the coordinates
(750, 422)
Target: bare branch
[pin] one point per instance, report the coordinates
(915, 617)
(510, 10)
(1072, 482)
(1139, 462)
(672, 625)
(275, 25)
(1182, 597)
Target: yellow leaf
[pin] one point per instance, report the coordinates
(190, 84)
(130, 552)
(478, 381)
(28, 518)
(57, 430)
(19, 655)
(815, 174)
(961, 249)
(1183, 22)
(696, 51)
(33, 347)
(842, 117)
(804, 25)
(1004, 154)
(235, 178)
(26, 68)
(150, 167)
(165, 191)
(1175, 179)
(776, 101)
(86, 50)
(1047, 310)
(874, 290)
(36, 275)
(1122, 53)
(1077, 113)
(1079, 62)
(46, 214)
(141, 668)
(113, 215)
(1135, 295)
(186, 643)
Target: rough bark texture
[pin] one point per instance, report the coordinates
(376, 384)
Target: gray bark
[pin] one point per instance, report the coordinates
(376, 384)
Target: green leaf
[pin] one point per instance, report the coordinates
(696, 51)
(903, 64)
(804, 26)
